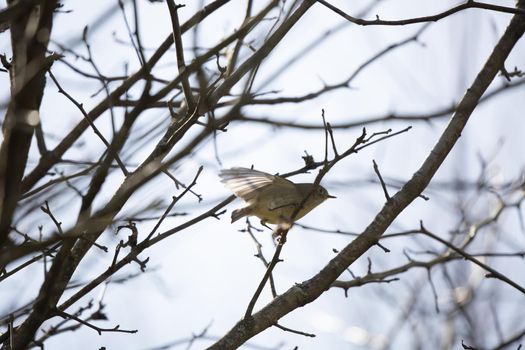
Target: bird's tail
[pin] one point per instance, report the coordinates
(239, 213)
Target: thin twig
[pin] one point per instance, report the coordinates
(286, 329)
(468, 4)
(88, 119)
(267, 274)
(99, 330)
(493, 273)
(58, 224)
(177, 38)
(260, 255)
(383, 186)
(175, 199)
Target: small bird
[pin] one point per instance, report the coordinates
(271, 198)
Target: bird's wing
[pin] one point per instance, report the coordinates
(285, 199)
(248, 183)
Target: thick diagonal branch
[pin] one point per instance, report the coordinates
(307, 291)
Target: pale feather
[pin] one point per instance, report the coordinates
(247, 184)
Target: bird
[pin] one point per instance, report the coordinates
(271, 198)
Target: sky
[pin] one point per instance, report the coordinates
(203, 277)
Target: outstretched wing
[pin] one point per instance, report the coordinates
(248, 183)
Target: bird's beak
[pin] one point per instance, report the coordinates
(330, 196)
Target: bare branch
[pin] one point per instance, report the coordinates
(88, 119)
(468, 4)
(177, 38)
(308, 291)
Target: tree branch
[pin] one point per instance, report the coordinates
(468, 4)
(309, 290)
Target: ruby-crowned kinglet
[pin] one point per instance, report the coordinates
(271, 198)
